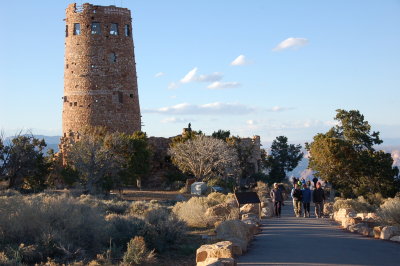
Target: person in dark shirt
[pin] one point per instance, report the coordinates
(306, 192)
(318, 199)
(297, 198)
(277, 199)
(315, 180)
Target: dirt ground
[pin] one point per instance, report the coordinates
(159, 195)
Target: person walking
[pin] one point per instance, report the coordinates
(315, 180)
(318, 199)
(297, 197)
(306, 193)
(277, 199)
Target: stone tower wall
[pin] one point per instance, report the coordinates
(100, 83)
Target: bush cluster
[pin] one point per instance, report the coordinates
(358, 205)
(67, 229)
(192, 211)
(389, 211)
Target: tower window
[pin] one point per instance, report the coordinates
(114, 29)
(66, 30)
(75, 104)
(77, 28)
(127, 30)
(131, 95)
(112, 57)
(65, 99)
(120, 97)
(96, 29)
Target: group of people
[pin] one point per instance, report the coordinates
(302, 196)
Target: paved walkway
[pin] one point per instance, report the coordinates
(309, 241)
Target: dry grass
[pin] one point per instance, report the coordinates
(67, 229)
(193, 211)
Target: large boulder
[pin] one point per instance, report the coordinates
(395, 238)
(343, 213)
(346, 222)
(198, 188)
(218, 262)
(223, 249)
(250, 208)
(377, 231)
(267, 209)
(236, 231)
(360, 228)
(389, 231)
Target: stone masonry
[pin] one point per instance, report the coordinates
(100, 83)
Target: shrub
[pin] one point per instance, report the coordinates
(58, 225)
(137, 253)
(192, 211)
(121, 228)
(106, 206)
(358, 205)
(164, 230)
(389, 212)
(139, 208)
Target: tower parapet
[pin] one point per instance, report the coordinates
(100, 82)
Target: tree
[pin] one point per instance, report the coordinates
(283, 158)
(137, 153)
(96, 160)
(23, 164)
(205, 158)
(345, 157)
(221, 134)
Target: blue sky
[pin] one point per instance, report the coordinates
(296, 63)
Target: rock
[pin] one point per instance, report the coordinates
(343, 213)
(250, 216)
(360, 228)
(362, 215)
(253, 226)
(395, 238)
(237, 242)
(250, 208)
(328, 208)
(236, 231)
(372, 215)
(223, 249)
(221, 210)
(267, 209)
(218, 262)
(198, 188)
(377, 231)
(389, 231)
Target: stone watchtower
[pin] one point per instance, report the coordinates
(100, 84)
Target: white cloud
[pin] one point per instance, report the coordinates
(216, 76)
(396, 157)
(204, 109)
(190, 76)
(279, 109)
(291, 42)
(223, 85)
(239, 61)
(159, 74)
(251, 122)
(173, 85)
(174, 120)
(172, 97)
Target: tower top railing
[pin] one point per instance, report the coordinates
(79, 8)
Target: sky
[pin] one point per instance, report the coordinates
(255, 67)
